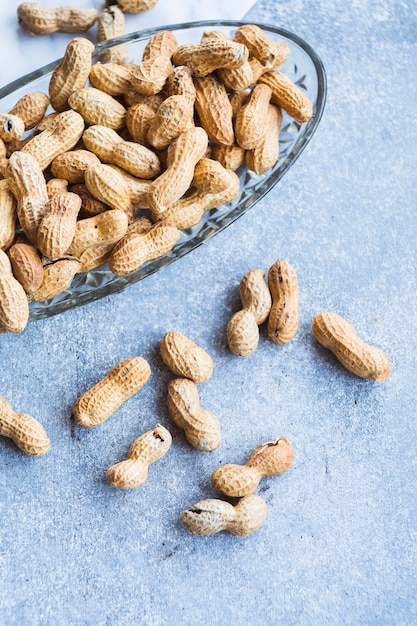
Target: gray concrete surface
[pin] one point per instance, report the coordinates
(339, 542)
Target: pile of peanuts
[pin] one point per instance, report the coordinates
(122, 165)
(276, 302)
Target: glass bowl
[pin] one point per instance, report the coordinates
(304, 67)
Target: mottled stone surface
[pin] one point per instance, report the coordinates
(339, 542)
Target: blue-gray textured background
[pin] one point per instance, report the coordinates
(339, 543)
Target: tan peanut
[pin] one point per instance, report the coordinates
(112, 78)
(111, 24)
(185, 358)
(3, 149)
(214, 109)
(57, 278)
(238, 79)
(31, 108)
(211, 55)
(63, 134)
(72, 72)
(149, 78)
(148, 448)
(14, 307)
(135, 249)
(97, 107)
(201, 427)
(283, 317)
(264, 156)
(28, 186)
(135, 159)
(37, 19)
(335, 333)
(95, 256)
(211, 516)
(58, 226)
(136, 6)
(27, 266)
(183, 155)
(231, 157)
(251, 119)
(160, 44)
(288, 96)
(71, 165)
(269, 53)
(242, 329)
(56, 185)
(104, 228)
(107, 185)
(210, 176)
(11, 127)
(268, 459)
(97, 404)
(189, 210)
(90, 206)
(174, 116)
(7, 215)
(26, 432)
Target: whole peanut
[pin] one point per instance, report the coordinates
(212, 516)
(174, 116)
(288, 96)
(31, 108)
(71, 165)
(27, 266)
(242, 329)
(111, 24)
(201, 427)
(339, 336)
(105, 228)
(14, 307)
(269, 53)
(268, 459)
(183, 155)
(136, 6)
(251, 119)
(185, 358)
(100, 402)
(26, 432)
(148, 448)
(97, 107)
(264, 156)
(214, 109)
(108, 186)
(28, 186)
(37, 19)
(58, 226)
(135, 249)
(211, 55)
(283, 317)
(71, 73)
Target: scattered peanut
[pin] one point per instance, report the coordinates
(339, 336)
(185, 358)
(111, 24)
(268, 459)
(37, 19)
(212, 516)
(201, 428)
(136, 6)
(242, 329)
(100, 402)
(283, 317)
(26, 432)
(148, 448)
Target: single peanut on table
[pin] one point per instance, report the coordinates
(27, 433)
(283, 317)
(335, 333)
(201, 427)
(185, 358)
(242, 329)
(37, 19)
(268, 459)
(97, 404)
(148, 448)
(212, 516)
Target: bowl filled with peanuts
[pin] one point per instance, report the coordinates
(121, 157)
